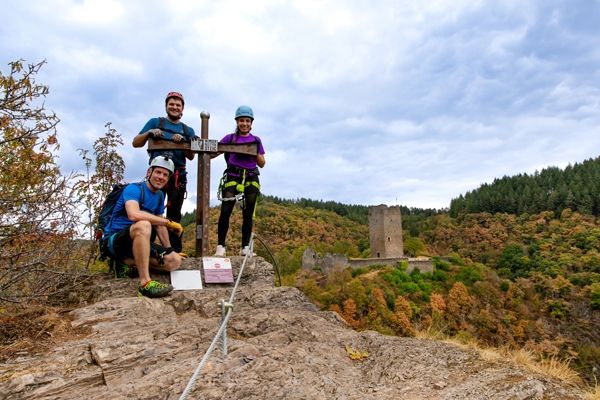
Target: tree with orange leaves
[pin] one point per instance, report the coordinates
(38, 208)
(459, 304)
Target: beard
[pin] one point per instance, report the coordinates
(174, 116)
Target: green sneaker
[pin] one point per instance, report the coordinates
(154, 289)
(122, 270)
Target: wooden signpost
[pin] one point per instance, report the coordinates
(206, 149)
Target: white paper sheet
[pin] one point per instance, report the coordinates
(186, 280)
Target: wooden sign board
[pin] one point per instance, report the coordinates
(204, 146)
(217, 270)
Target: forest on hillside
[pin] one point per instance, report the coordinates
(504, 281)
(576, 187)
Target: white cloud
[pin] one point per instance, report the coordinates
(96, 63)
(96, 12)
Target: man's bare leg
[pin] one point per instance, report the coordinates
(140, 233)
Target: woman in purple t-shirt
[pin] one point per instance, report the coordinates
(240, 179)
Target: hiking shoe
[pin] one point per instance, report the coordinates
(125, 271)
(246, 250)
(154, 289)
(220, 251)
(122, 270)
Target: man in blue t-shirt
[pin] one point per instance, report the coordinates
(136, 220)
(171, 128)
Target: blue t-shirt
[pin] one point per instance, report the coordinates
(154, 203)
(245, 161)
(169, 129)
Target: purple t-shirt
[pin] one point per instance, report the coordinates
(245, 161)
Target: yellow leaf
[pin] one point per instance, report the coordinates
(355, 354)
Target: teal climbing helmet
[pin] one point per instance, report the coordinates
(244, 111)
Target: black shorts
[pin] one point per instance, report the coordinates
(123, 246)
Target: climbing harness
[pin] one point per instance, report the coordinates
(179, 180)
(176, 176)
(239, 197)
(168, 135)
(232, 169)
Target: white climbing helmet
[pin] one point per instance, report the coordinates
(163, 162)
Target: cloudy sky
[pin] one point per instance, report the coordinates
(361, 102)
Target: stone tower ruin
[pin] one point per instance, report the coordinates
(385, 232)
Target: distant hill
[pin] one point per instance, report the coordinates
(576, 187)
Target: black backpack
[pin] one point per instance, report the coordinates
(106, 212)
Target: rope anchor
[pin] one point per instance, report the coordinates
(225, 305)
(226, 310)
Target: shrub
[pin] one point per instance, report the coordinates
(359, 271)
(439, 275)
(440, 264)
(558, 309)
(513, 259)
(469, 274)
(413, 246)
(595, 295)
(455, 259)
(408, 288)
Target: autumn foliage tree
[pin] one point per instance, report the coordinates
(38, 213)
(459, 304)
(401, 318)
(349, 313)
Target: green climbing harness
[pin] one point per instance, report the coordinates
(240, 187)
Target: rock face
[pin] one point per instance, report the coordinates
(279, 347)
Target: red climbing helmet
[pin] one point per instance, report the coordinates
(176, 95)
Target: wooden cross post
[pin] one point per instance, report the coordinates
(207, 149)
(203, 191)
